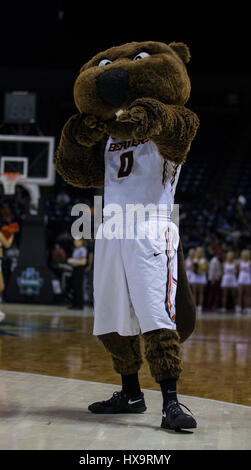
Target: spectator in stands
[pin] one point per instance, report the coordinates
(12, 254)
(200, 269)
(214, 278)
(244, 283)
(58, 256)
(78, 262)
(63, 198)
(6, 214)
(229, 280)
(65, 240)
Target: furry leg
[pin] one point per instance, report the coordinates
(163, 353)
(125, 351)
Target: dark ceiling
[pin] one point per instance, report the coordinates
(59, 34)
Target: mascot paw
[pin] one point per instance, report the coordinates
(90, 131)
(94, 123)
(144, 124)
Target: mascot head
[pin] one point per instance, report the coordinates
(113, 79)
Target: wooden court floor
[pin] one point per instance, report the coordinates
(56, 342)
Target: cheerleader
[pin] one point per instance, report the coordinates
(244, 283)
(200, 269)
(189, 265)
(229, 279)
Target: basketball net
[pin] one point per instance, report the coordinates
(9, 181)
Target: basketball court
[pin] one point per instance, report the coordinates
(52, 368)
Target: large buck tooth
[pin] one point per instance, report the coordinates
(119, 112)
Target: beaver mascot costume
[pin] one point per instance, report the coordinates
(131, 136)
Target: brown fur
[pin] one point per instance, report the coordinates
(161, 123)
(162, 76)
(154, 107)
(125, 352)
(162, 351)
(83, 169)
(158, 89)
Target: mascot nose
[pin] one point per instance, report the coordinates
(112, 86)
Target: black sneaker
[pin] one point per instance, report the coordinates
(119, 403)
(173, 417)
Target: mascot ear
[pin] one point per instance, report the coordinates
(182, 50)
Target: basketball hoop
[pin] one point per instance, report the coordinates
(9, 181)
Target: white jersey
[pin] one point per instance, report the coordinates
(135, 173)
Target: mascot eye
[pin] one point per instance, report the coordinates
(141, 55)
(104, 62)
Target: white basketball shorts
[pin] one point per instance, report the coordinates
(135, 283)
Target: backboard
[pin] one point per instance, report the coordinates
(31, 156)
